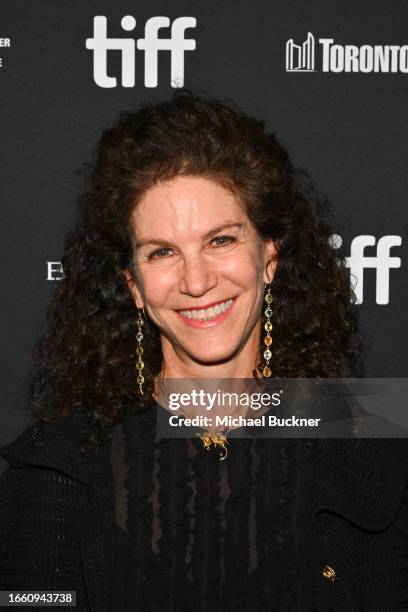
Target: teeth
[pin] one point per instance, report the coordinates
(208, 313)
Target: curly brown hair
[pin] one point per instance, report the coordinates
(87, 357)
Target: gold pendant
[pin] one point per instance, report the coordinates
(208, 439)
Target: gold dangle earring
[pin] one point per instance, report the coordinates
(267, 372)
(139, 350)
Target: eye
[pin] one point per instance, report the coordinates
(160, 253)
(221, 241)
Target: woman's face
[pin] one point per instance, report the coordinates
(200, 267)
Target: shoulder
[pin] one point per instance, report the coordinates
(51, 472)
(44, 509)
(56, 514)
(75, 448)
(62, 470)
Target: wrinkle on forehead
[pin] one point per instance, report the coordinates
(184, 206)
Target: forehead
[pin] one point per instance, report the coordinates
(185, 204)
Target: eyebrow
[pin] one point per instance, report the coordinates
(208, 234)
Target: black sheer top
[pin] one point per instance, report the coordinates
(195, 533)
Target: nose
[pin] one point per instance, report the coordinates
(198, 276)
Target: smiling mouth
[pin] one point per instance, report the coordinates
(207, 314)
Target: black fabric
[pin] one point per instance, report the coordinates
(57, 512)
(64, 506)
(39, 538)
(197, 533)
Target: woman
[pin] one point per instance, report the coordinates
(199, 253)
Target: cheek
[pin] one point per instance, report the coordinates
(157, 286)
(245, 269)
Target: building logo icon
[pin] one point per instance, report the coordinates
(300, 58)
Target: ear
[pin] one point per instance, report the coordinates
(270, 260)
(134, 289)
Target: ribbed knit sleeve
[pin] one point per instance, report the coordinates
(40, 514)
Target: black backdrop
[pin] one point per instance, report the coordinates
(348, 129)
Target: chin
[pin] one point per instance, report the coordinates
(214, 357)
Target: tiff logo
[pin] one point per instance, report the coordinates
(382, 262)
(151, 44)
(300, 58)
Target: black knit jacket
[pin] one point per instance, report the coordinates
(57, 517)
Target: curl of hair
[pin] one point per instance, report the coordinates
(87, 357)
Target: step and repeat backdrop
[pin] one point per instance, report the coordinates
(329, 78)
